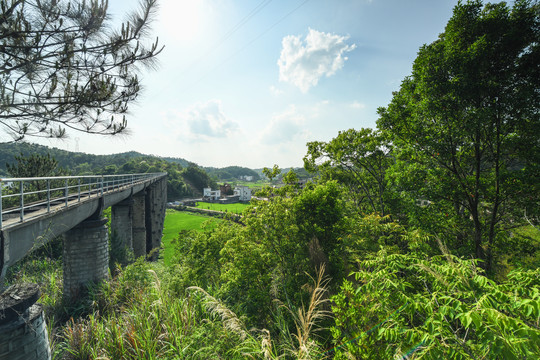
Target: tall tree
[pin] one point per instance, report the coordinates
(35, 165)
(63, 67)
(359, 159)
(468, 112)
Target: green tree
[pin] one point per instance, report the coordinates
(63, 67)
(34, 165)
(319, 214)
(358, 159)
(463, 118)
(272, 173)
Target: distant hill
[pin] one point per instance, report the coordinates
(74, 162)
(232, 173)
(185, 179)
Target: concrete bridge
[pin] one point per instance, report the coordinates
(37, 210)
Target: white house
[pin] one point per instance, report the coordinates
(243, 193)
(211, 194)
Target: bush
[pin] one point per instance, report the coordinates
(438, 307)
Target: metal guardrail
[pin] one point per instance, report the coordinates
(22, 196)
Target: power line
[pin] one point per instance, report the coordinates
(229, 33)
(248, 44)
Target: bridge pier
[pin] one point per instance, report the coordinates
(121, 231)
(138, 225)
(23, 333)
(86, 256)
(155, 207)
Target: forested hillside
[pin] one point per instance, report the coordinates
(74, 162)
(231, 173)
(185, 179)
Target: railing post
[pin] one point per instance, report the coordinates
(102, 179)
(48, 195)
(66, 191)
(79, 189)
(21, 202)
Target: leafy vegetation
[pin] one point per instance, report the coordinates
(65, 67)
(455, 124)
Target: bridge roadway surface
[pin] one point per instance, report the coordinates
(42, 225)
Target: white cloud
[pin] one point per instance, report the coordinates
(357, 105)
(304, 62)
(275, 91)
(201, 121)
(284, 127)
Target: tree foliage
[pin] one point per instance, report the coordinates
(270, 257)
(35, 165)
(63, 67)
(231, 173)
(410, 306)
(359, 159)
(463, 118)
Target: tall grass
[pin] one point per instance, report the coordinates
(134, 317)
(306, 319)
(258, 344)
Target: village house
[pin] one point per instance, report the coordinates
(212, 195)
(241, 193)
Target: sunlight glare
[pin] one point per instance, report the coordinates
(182, 19)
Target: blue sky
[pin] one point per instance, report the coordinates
(249, 83)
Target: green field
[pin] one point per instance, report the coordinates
(176, 221)
(253, 184)
(237, 208)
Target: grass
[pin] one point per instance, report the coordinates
(176, 221)
(237, 208)
(253, 184)
(134, 316)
